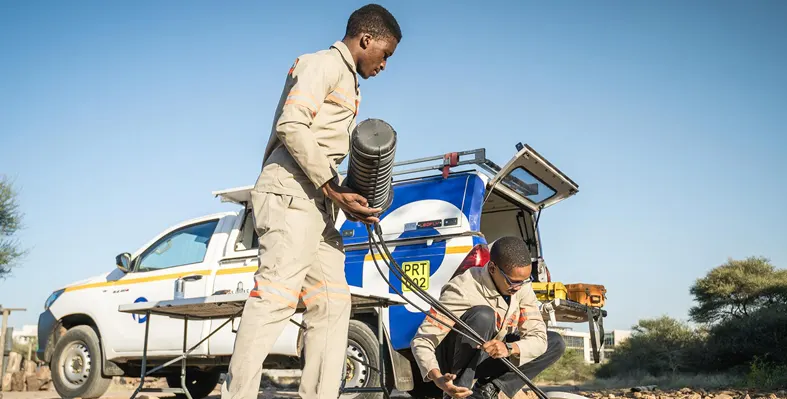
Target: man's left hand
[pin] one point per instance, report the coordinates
(495, 348)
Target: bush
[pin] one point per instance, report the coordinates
(657, 347)
(759, 339)
(765, 375)
(570, 367)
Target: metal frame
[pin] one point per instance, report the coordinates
(478, 158)
(175, 309)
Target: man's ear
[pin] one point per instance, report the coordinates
(365, 41)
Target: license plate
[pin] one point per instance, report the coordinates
(418, 271)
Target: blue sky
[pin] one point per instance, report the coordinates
(118, 120)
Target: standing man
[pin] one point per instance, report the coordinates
(294, 204)
(498, 302)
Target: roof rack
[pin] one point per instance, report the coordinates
(447, 161)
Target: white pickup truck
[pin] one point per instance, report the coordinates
(439, 224)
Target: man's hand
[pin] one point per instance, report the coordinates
(445, 383)
(495, 348)
(353, 205)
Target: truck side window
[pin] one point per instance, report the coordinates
(181, 247)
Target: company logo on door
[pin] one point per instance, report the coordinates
(138, 317)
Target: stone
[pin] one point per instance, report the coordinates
(29, 368)
(695, 396)
(18, 381)
(6, 382)
(44, 374)
(14, 363)
(723, 395)
(611, 396)
(33, 383)
(638, 395)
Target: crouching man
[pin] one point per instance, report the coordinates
(497, 301)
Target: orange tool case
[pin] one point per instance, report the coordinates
(587, 294)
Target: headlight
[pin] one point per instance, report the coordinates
(52, 298)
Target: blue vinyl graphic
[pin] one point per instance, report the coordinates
(464, 191)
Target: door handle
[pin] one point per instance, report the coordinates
(192, 277)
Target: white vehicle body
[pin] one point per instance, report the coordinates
(218, 253)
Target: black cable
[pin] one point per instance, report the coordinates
(438, 306)
(424, 295)
(448, 313)
(402, 295)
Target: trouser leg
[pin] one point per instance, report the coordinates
(508, 381)
(288, 246)
(458, 355)
(327, 299)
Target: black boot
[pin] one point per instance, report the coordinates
(484, 390)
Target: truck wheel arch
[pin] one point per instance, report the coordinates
(398, 370)
(108, 368)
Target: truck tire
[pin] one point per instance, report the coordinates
(76, 365)
(362, 345)
(200, 383)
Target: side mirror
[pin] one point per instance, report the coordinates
(123, 262)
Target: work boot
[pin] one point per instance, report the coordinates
(484, 390)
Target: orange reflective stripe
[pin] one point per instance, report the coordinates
(275, 291)
(323, 289)
(256, 294)
(438, 316)
(334, 295)
(341, 97)
(297, 97)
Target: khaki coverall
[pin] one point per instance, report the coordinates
(301, 257)
(468, 292)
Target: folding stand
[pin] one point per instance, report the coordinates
(229, 307)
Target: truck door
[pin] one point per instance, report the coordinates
(187, 250)
(531, 181)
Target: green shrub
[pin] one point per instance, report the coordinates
(570, 367)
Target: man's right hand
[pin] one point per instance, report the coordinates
(445, 383)
(353, 205)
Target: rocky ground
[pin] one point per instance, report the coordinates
(651, 392)
(36, 384)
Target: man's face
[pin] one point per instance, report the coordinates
(509, 282)
(374, 55)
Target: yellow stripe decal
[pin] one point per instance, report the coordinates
(237, 270)
(138, 280)
(448, 251)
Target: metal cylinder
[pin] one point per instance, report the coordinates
(370, 170)
(180, 286)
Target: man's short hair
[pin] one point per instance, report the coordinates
(375, 20)
(509, 252)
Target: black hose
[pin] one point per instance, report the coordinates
(435, 304)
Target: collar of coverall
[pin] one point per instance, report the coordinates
(490, 290)
(345, 52)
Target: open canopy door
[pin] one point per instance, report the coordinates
(531, 180)
(239, 195)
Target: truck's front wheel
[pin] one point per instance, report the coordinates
(76, 365)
